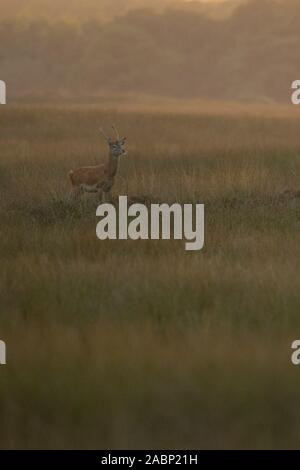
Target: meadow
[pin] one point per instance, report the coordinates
(140, 344)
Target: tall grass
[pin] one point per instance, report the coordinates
(128, 344)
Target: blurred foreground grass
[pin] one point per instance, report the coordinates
(124, 344)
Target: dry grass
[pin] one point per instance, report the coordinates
(141, 344)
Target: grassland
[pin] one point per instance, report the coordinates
(124, 344)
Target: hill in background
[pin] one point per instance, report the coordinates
(79, 10)
(180, 51)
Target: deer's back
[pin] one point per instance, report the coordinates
(88, 175)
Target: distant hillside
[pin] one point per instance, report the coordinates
(82, 10)
(250, 55)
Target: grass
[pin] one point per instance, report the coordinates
(125, 344)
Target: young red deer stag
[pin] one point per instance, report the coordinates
(99, 178)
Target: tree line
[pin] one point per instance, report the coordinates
(250, 55)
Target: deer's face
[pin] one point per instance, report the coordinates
(116, 147)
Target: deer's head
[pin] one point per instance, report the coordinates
(115, 145)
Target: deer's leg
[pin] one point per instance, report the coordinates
(107, 195)
(107, 189)
(104, 196)
(100, 194)
(76, 193)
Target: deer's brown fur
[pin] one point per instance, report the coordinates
(99, 178)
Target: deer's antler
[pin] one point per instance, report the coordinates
(116, 131)
(103, 133)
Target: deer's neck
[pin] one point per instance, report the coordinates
(112, 166)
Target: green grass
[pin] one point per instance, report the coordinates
(125, 344)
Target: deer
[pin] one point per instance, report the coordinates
(99, 178)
